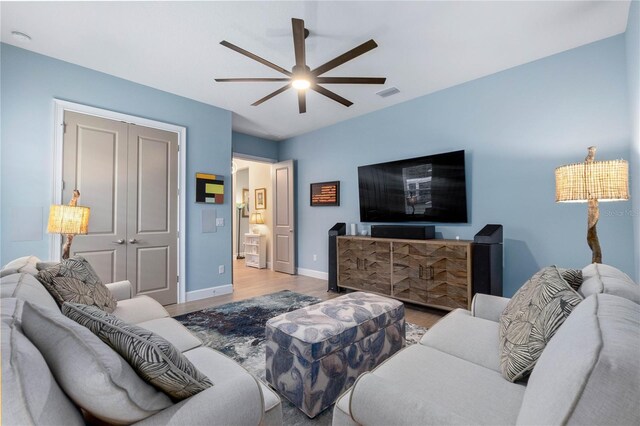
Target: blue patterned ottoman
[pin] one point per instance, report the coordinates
(316, 353)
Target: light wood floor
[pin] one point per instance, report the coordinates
(252, 282)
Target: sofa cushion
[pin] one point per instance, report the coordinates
(139, 309)
(74, 280)
(155, 359)
(26, 264)
(93, 375)
(467, 337)
(531, 319)
(174, 332)
(589, 372)
(220, 368)
(31, 395)
(600, 278)
(25, 286)
(421, 386)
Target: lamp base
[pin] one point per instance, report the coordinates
(67, 247)
(239, 257)
(592, 234)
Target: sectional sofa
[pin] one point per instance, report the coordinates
(111, 392)
(588, 374)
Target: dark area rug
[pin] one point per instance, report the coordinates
(237, 330)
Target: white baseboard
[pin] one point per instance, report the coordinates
(313, 274)
(209, 292)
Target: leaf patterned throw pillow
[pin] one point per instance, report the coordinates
(74, 280)
(156, 360)
(530, 320)
(573, 277)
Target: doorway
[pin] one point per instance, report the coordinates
(129, 171)
(253, 218)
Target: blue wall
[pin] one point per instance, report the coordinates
(632, 39)
(254, 146)
(30, 82)
(516, 126)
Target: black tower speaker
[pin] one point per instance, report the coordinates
(337, 229)
(487, 261)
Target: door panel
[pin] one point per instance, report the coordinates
(284, 220)
(152, 213)
(103, 262)
(157, 278)
(95, 163)
(128, 176)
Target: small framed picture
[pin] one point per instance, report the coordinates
(325, 194)
(261, 198)
(245, 201)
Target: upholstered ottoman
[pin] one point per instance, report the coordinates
(316, 353)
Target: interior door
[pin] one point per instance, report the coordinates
(284, 245)
(152, 234)
(95, 163)
(128, 176)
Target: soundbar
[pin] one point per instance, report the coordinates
(426, 232)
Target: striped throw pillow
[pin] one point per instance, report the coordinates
(530, 320)
(154, 359)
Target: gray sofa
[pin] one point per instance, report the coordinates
(31, 395)
(589, 372)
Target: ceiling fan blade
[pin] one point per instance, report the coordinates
(351, 80)
(271, 95)
(298, 41)
(351, 54)
(254, 57)
(235, 80)
(302, 101)
(329, 94)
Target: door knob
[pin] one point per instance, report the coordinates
(133, 241)
(120, 241)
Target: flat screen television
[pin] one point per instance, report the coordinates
(423, 189)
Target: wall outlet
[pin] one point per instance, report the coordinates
(220, 221)
(315, 257)
(221, 269)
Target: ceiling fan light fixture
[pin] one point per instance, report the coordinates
(300, 83)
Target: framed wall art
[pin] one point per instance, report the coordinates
(261, 198)
(209, 188)
(245, 201)
(325, 194)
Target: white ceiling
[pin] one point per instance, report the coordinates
(424, 46)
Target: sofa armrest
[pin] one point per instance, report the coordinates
(233, 402)
(377, 401)
(121, 290)
(488, 307)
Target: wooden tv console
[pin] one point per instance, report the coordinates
(435, 273)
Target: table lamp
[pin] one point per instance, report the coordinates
(70, 220)
(591, 182)
(256, 219)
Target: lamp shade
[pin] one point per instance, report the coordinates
(256, 219)
(68, 219)
(598, 180)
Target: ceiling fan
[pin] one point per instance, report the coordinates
(302, 77)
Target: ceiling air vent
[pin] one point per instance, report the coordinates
(388, 92)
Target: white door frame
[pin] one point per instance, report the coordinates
(60, 106)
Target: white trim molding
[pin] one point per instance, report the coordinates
(60, 107)
(313, 274)
(209, 292)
